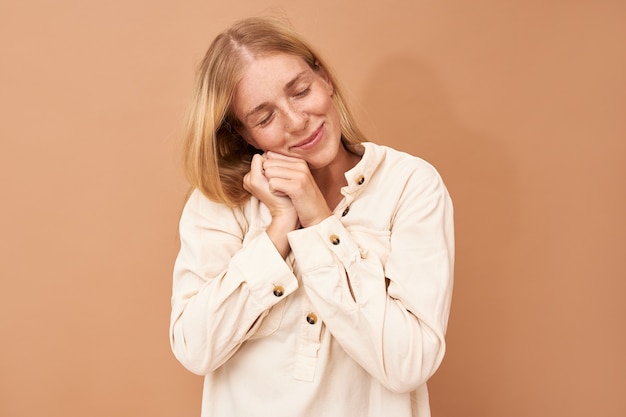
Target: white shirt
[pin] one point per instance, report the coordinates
(278, 337)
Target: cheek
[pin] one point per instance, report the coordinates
(325, 103)
(245, 134)
(318, 104)
(333, 113)
(268, 139)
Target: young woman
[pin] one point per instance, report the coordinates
(315, 271)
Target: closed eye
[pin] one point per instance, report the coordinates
(266, 119)
(304, 92)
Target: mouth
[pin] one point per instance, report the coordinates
(311, 140)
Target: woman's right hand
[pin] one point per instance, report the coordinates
(284, 214)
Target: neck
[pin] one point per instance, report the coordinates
(331, 178)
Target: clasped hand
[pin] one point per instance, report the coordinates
(287, 187)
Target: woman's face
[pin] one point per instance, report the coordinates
(286, 107)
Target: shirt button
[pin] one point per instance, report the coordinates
(345, 212)
(334, 239)
(311, 318)
(279, 291)
(360, 179)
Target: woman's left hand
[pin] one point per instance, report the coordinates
(292, 177)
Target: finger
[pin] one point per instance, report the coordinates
(246, 183)
(287, 173)
(255, 180)
(257, 163)
(294, 164)
(279, 186)
(276, 155)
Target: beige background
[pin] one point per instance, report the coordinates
(520, 104)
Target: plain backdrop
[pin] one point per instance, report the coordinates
(521, 105)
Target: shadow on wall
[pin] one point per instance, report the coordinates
(409, 109)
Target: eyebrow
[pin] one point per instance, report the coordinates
(290, 84)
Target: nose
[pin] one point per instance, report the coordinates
(295, 119)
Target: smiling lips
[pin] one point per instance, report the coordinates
(312, 140)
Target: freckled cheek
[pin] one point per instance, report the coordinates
(316, 104)
(270, 139)
(326, 105)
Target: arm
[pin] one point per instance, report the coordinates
(222, 289)
(391, 318)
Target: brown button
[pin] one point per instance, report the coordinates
(345, 212)
(311, 318)
(279, 291)
(334, 239)
(360, 179)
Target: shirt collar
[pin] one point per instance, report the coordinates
(359, 175)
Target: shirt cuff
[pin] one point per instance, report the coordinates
(320, 245)
(266, 273)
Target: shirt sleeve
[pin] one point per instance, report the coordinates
(222, 289)
(390, 318)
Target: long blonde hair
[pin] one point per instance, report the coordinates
(215, 156)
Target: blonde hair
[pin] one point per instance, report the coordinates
(215, 156)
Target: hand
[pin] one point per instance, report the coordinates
(256, 183)
(292, 177)
(284, 214)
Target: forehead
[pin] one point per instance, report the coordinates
(264, 77)
(272, 67)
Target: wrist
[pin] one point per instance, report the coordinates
(315, 220)
(277, 232)
(286, 221)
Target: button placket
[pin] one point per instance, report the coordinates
(309, 342)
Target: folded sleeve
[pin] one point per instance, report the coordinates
(222, 288)
(390, 315)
